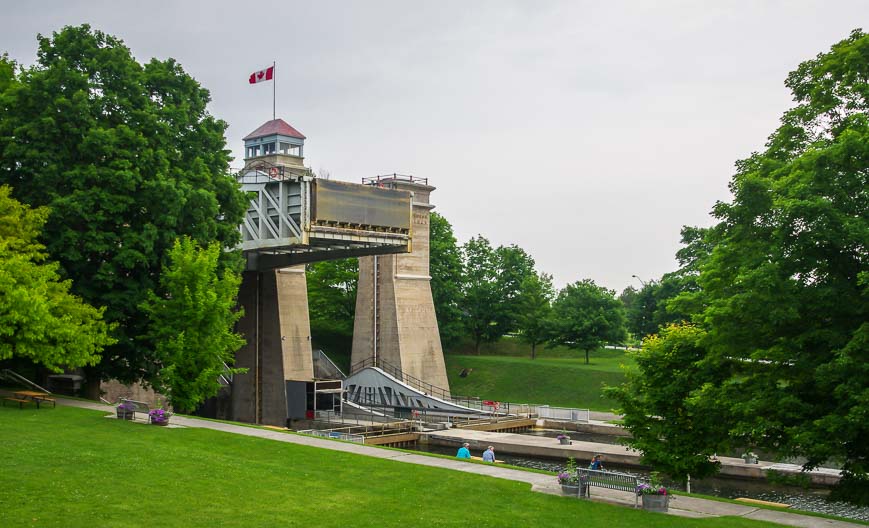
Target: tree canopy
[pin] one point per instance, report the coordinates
(586, 316)
(445, 264)
(534, 310)
(191, 322)
(782, 283)
(128, 159)
(332, 288)
(676, 432)
(39, 318)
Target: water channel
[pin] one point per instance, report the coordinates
(811, 499)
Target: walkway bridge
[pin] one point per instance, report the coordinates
(295, 218)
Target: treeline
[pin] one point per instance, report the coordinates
(481, 293)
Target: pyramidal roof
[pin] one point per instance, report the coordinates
(274, 127)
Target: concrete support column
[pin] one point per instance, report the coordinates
(395, 316)
(278, 333)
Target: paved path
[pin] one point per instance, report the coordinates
(681, 505)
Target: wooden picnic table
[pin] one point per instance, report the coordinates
(25, 396)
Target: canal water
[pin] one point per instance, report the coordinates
(812, 499)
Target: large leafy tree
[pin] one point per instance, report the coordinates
(445, 263)
(39, 318)
(586, 316)
(191, 320)
(128, 159)
(676, 431)
(786, 303)
(514, 267)
(783, 279)
(535, 310)
(481, 303)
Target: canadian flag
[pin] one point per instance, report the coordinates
(263, 75)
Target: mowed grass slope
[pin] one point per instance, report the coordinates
(69, 467)
(564, 380)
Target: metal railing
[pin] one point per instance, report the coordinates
(334, 435)
(13, 376)
(264, 172)
(395, 372)
(566, 414)
(394, 177)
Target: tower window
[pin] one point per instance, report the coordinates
(268, 148)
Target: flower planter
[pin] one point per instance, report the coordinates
(125, 415)
(570, 489)
(164, 422)
(564, 441)
(656, 503)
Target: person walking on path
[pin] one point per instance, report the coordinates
(489, 455)
(464, 452)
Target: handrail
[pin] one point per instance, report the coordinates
(398, 374)
(389, 178)
(21, 379)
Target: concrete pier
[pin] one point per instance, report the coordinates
(540, 446)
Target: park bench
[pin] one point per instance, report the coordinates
(136, 406)
(609, 480)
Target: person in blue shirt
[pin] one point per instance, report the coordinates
(596, 463)
(489, 455)
(464, 452)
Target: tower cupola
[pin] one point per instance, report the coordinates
(276, 143)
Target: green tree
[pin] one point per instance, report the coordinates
(782, 284)
(445, 262)
(586, 316)
(481, 297)
(672, 425)
(652, 307)
(535, 310)
(191, 320)
(128, 159)
(332, 287)
(39, 318)
(514, 266)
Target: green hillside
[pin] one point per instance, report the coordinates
(559, 381)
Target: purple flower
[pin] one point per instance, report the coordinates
(158, 415)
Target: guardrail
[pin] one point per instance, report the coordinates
(335, 435)
(563, 413)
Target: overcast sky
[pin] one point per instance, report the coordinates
(586, 133)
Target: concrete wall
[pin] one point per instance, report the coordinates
(114, 390)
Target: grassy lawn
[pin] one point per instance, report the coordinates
(71, 467)
(562, 380)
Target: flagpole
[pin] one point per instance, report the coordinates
(274, 88)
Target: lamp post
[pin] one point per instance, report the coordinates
(644, 283)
